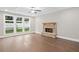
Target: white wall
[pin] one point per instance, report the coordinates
(67, 22)
(1, 24)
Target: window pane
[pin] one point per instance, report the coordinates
(8, 21)
(9, 30)
(18, 19)
(8, 18)
(26, 29)
(18, 29)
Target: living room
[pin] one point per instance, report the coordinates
(39, 29)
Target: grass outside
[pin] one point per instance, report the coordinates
(9, 31)
(26, 29)
(18, 29)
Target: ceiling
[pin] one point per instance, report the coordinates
(27, 10)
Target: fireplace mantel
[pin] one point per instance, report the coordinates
(49, 29)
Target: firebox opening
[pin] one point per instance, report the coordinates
(50, 30)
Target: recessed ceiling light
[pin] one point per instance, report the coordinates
(32, 11)
(5, 10)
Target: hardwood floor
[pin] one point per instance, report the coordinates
(36, 43)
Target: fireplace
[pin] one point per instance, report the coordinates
(49, 29)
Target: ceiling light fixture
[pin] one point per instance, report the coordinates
(35, 10)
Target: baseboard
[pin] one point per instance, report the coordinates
(67, 38)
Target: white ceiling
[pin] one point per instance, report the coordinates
(26, 10)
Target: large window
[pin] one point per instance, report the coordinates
(8, 18)
(19, 24)
(9, 24)
(26, 25)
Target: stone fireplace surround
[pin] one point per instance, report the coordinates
(49, 29)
